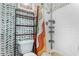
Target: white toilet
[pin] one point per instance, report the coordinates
(26, 47)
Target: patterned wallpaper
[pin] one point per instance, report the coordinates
(7, 19)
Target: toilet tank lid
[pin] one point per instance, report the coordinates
(25, 41)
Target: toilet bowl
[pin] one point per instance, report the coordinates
(26, 47)
(30, 54)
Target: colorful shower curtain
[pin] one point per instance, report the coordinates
(41, 37)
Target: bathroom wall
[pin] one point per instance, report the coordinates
(47, 17)
(67, 29)
(7, 29)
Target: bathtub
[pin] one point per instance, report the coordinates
(52, 53)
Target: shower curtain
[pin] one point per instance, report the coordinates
(41, 36)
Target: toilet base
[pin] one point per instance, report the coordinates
(29, 54)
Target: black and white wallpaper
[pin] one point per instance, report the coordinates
(7, 34)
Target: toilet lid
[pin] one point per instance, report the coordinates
(29, 54)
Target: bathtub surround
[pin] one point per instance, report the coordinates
(67, 30)
(47, 16)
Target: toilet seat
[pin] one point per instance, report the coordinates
(30, 54)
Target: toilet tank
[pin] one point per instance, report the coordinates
(25, 46)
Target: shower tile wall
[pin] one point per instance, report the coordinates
(7, 24)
